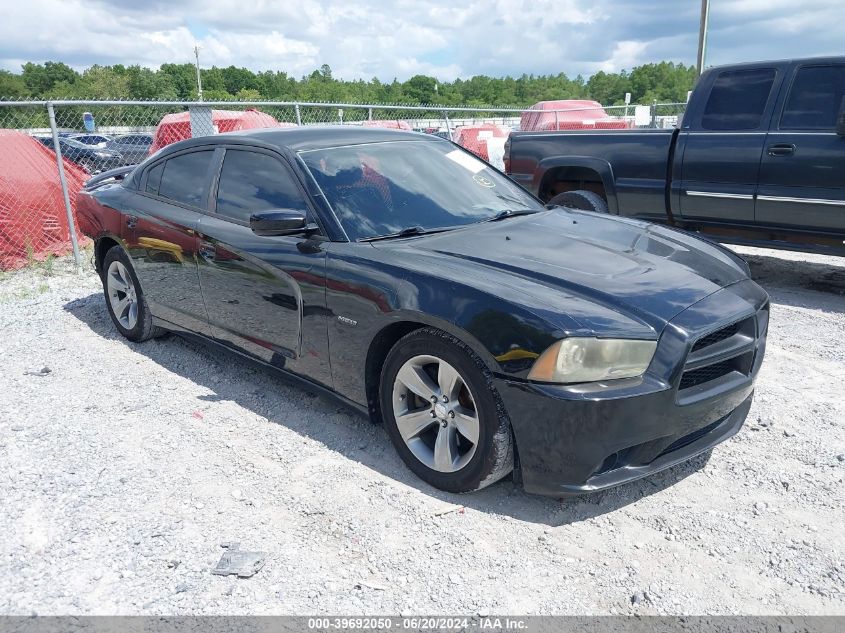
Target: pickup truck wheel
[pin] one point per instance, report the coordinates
(580, 199)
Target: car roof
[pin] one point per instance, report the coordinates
(305, 138)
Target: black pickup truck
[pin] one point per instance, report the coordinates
(758, 158)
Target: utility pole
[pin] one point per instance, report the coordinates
(702, 35)
(199, 79)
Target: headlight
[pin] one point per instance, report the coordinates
(574, 360)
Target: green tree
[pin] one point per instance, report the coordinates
(248, 94)
(41, 79)
(420, 89)
(608, 88)
(237, 79)
(663, 81)
(12, 86)
(182, 77)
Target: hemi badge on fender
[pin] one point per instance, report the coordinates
(343, 319)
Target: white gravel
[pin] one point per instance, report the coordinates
(125, 467)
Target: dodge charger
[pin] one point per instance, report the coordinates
(399, 273)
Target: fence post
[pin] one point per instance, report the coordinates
(369, 114)
(557, 122)
(448, 124)
(298, 115)
(63, 180)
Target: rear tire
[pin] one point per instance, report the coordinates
(124, 298)
(453, 431)
(581, 199)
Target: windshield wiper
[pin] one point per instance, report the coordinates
(406, 232)
(510, 213)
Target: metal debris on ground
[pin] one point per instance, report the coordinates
(38, 372)
(235, 561)
(448, 509)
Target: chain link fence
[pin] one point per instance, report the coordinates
(49, 149)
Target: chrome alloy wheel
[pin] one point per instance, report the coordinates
(435, 413)
(122, 295)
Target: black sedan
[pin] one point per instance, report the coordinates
(416, 283)
(91, 158)
(133, 147)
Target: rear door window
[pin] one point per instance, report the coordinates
(738, 100)
(815, 98)
(184, 178)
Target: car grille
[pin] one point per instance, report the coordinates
(706, 374)
(692, 437)
(718, 354)
(715, 337)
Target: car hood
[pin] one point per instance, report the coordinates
(644, 271)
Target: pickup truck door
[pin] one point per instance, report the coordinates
(721, 145)
(802, 175)
(265, 295)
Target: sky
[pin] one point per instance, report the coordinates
(401, 38)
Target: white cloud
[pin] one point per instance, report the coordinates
(384, 38)
(625, 55)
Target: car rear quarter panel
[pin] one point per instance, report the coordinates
(98, 219)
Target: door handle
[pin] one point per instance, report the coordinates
(782, 149)
(131, 221)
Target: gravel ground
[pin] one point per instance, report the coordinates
(125, 467)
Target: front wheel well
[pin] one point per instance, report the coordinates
(103, 246)
(561, 179)
(381, 345)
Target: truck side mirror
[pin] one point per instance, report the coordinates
(840, 119)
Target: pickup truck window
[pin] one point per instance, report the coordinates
(814, 99)
(738, 99)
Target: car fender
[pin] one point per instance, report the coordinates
(366, 301)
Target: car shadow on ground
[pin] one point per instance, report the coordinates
(805, 284)
(231, 377)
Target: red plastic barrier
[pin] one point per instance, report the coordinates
(476, 138)
(33, 221)
(394, 125)
(574, 114)
(177, 126)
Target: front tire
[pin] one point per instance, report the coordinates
(124, 298)
(581, 199)
(443, 413)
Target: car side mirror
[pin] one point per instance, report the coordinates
(840, 119)
(279, 222)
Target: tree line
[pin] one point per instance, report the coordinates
(662, 82)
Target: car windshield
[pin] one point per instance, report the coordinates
(383, 188)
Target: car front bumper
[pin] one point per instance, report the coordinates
(575, 439)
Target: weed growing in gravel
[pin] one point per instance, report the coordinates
(24, 293)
